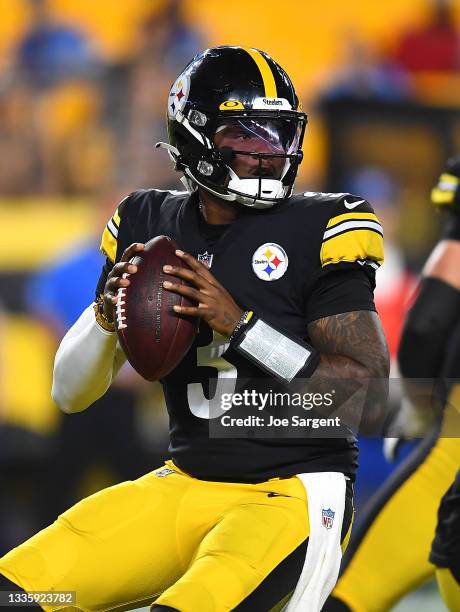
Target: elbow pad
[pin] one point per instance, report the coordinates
(427, 328)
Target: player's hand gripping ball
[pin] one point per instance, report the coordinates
(154, 338)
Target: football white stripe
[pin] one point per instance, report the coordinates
(447, 185)
(350, 225)
(368, 262)
(113, 228)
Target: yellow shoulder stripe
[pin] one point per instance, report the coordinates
(440, 196)
(444, 192)
(109, 245)
(352, 246)
(266, 72)
(351, 215)
(448, 181)
(110, 236)
(116, 218)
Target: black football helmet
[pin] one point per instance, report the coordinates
(243, 99)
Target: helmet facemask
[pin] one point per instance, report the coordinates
(264, 152)
(251, 158)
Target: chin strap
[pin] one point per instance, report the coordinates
(174, 154)
(172, 151)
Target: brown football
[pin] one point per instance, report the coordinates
(154, 337)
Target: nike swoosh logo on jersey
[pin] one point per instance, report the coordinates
(351, 205)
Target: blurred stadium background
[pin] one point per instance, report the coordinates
(83, 88)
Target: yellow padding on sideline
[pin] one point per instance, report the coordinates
(354, 245)
(36, 230)
(265, 71)
(26, 363)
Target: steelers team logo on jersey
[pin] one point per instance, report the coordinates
(269, 262)
(178, 96)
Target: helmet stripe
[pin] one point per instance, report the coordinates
(265, 71)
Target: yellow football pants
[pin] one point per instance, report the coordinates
(449, 589)
(167, 538)
(392, 557)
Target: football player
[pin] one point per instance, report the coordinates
(225, 524)
(429, 348)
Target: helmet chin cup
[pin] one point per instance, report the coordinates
(247, 192)
(250, 191)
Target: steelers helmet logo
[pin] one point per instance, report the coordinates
(178, 96)
(269, 262)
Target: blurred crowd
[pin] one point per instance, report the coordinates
(73, 122)
(396, 71)
(76, 123)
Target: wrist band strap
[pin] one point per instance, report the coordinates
(244, 320)
(280, 355)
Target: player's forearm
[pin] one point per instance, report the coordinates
(339, 366)
(352, 346)
(85, 364)
(354, 365)
(359, 393)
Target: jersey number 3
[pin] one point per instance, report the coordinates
(210, 356)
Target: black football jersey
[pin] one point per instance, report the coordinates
(287, 264)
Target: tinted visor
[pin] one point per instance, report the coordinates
(260, 135)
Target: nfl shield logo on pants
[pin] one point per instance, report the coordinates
(328, 518)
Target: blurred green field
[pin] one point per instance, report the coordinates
(425, 599)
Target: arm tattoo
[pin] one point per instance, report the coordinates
(355, 361)
(351, 344)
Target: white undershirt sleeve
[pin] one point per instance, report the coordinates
(86, 362)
